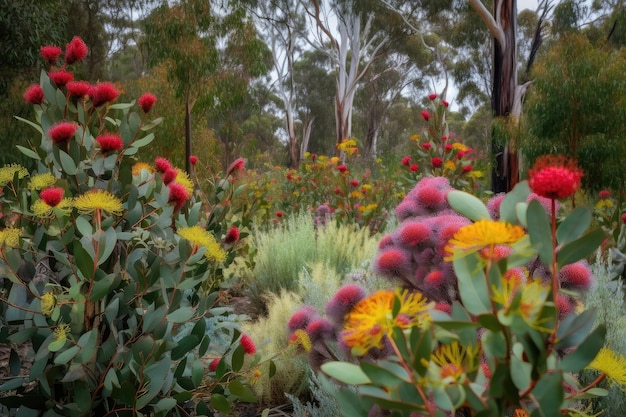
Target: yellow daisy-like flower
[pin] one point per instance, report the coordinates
(307, 155)
(369, 207)
(612, 364)
(475, 174)
(201, 237)
(61, 331)
(483, 234)
(335, 159)
(139, 166)
(371, 319)
(41, 181)
(449, 165)
(323, 158)
(414, 138)
(604, 203)
(7, 173)
(453, 361)
(183, 179)
(356, 194)
(98, 200)
(43, 210)
(10, 237)
(48, 302)
(348, 146)
(459, 147)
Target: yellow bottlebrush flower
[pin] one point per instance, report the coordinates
(449, 165)
(371, 319)
(414, 138)
(139, 166)
(43, 210)
(612, 364)
(301, 338)
(487, 235)
(41, 181)
(459, 147)
(7, 173)
(10, 237)
(183, 179)
(369, 207)
(453, 361)
(201, 237)
(48, 302)
(604, 203)
(61, 331)
(98, 200)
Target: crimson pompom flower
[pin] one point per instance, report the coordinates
(237, 165)
(444, 138)
(193, 159)
(448, 147)
(248, 344)
(426, 145)
(214, 363)
(604, 194)
(169, 176)
(354, 183)
(178, 195)
(50, 53)
(78, 89)
(279, 214)
(445, 103)
(406, 160)
(75, 51)
(342, 168)
(61, 77)
(110, 143)
(52, 196)
(62, 132)
(162, 164)
(337, 191)
(432, 96)
(103, 93)
(436, 162)
(554, 177)
(467, 168)
(413, 167)
(146, 102)
(425, 115)
(232, 236)
(34, 94)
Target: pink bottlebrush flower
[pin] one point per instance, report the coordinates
(445, 307)
(493, 205)
(406, 160)
(385, 242)
(342, 302)
(162, 164)
(34, 94)
(546, 203)
(436, 162)
(62, 132)
(61, 77)
(237, 165)
(448, 148)
(430, 196)
(279, 214)
(425, 115)
(604, 194)
(393, 262)
(103, 93)
(434, 279)
(407, 208)
(169, 176)
(248, 344)
(110, 143)
(320, 330)
(412, 233)
(432, 96)
(342, 168)
(178, 195)
(426, 145)
(576, 276)
(301, 318)
(75, 51)
(445, 103)
(414, 167)
(146, 102)
(232, 236)
(193, 159)
(78, 89)
(52, 196)
(354, 183)
(444, 138)
(214, 364)
(337, 191)
(51, 53)
(565, 305)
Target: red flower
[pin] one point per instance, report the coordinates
(169, 176)
(460, 154)
(554, 177)
(146, 102)
(78, 89)
(406, 160)
(445, 103)
(354, 183)
(237, 165)
(61, 77)
(214, 363)
(432, 96)
(337, 191)
(162, 164)
(110, 143)
(444, 138)
(448, 147)
(62, 132)
(342, 168)
(426, 145)
(102, 93)
(232, 236)
(75, 51)
(624, 218)
(604, 194)
(34, 94)
(279, 214)
(437, 162)
(467, 168)
(248, 344)
(414, 167)
(50, 53)
(178, 195)
(193, 159)
(425, 115)
(52, 196)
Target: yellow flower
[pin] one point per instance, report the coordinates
(356, 194)
(532, 297)
(139, 166)
(201, 237)
(7, 173)
(369, 207)
(334, 159)
(183, 179)
(98, 200)
(449, 165)
(453, 361)
(475, 174)
(61, 331)
(414, 138)
(348, 146)
(324, 158)
(41, 181)
(307, 154)
(41, 209)
(484, 234)
(367, 187)
(459, 147)
(10, 237)
(48, 302)
(301, 338)
(612, 364)
(371, 319)
(603, 203)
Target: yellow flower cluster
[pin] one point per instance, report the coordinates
(201, 237)
(43, 210)
(41, 181)
(7, 173)
(98, 200)
(140, 166)
(348, 146)
(48, 302)
(612, 364)
(10, 237)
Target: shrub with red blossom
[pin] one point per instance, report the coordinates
(75, 51)
(110, 143)
(62, 132)
(34, 94)
(52, 196)
(146, 102)
(61, 77)
(103, 93)
(51, 53)
(78, 89)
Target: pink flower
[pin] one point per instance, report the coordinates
(430, 196)
(61, 77)
(103, 93)
(337, 191)
(50, 53)
(78, 89)
(604, 194)
(232, 236)
(414, 167)
(406, 160)
(248, 344)
(178, 195)
(434, 279)
(279, 214)
(436, 162)
(342, 168)
(413, 233)
(110, 143)
(162, 164)
(445, 103)
(425, 115)
(34, 94)
(62, 132)
(75, 51)
(432, 96)
(301, 318)
(214, 363)
(169, 176)
(146, 102)
(624, 218)
(52, 196)
(554, 177)
(444, 138)
(426, 145)
(342, 302)
(448, 147)
(354, 183)
(237, 165)
(193, 159)
(467, 168)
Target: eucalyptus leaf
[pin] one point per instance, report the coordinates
(345, 372)
(468, 205)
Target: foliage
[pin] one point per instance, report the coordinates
(110, 268)
(323, 403)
